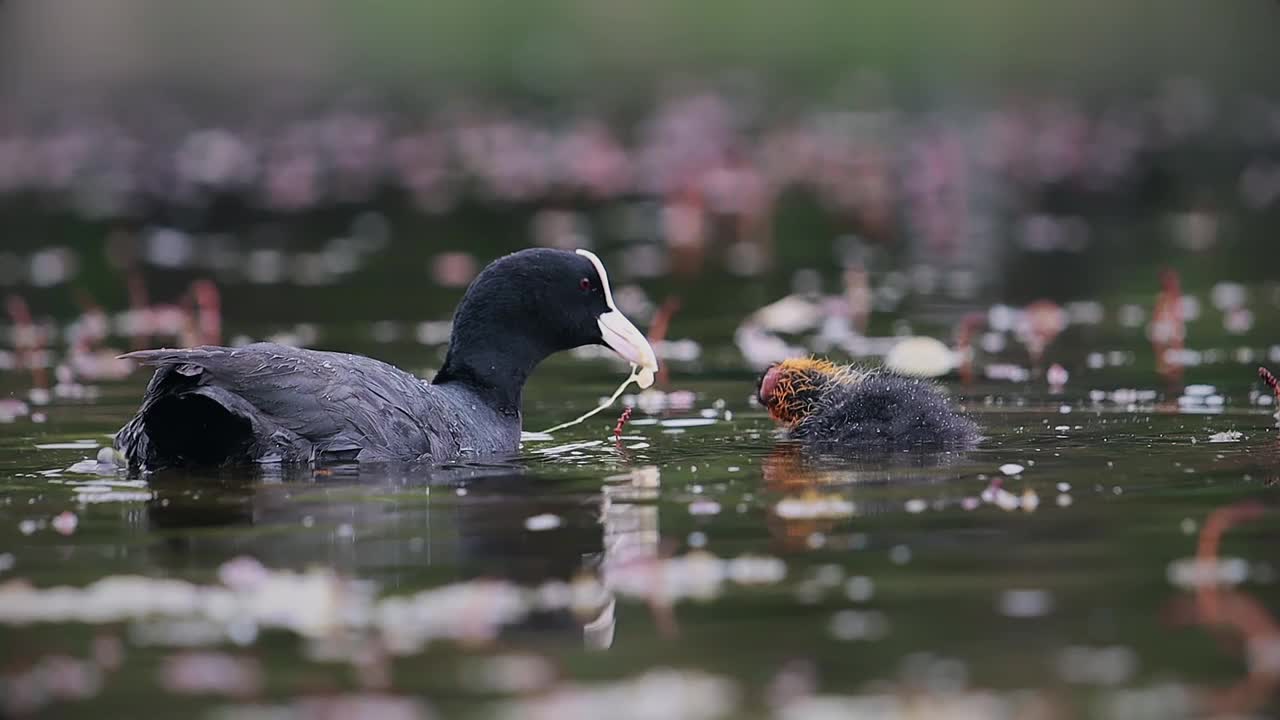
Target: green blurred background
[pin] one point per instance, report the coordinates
(622, 50)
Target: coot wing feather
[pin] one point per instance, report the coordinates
(340, 403)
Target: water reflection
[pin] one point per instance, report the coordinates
(1231, 614)
(398, 524)
(816, 494)
(387, 572)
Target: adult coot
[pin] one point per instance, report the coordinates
(836, 407)
(270, 403)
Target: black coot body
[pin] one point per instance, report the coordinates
(268, 403)
(836, 407)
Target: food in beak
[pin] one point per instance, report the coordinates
(625, 339)
(618, 332)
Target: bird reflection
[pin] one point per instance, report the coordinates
(402, 526)
(815, 492)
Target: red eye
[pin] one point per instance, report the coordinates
(585, 283)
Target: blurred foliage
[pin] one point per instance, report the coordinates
(563, 48)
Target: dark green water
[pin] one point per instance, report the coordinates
(869, 584)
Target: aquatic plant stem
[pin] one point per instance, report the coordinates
(635, 375)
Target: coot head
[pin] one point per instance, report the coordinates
(795, 389)
(528, 305)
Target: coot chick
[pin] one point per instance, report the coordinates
(267, 403)
(834, 407)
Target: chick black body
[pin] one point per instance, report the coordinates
(267, 403)
(834, 407)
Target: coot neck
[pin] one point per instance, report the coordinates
(492, 362)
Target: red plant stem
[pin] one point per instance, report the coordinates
(664, 616)
(1270, 380)
(208, 311)
(88, 307)
(1215, 606)
(25, 330)
(1168, 310)
(1218, 522)
(969, 327)
(658, 328)
(138, 303)
(622, 420)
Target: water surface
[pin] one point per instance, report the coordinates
(699, 564)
